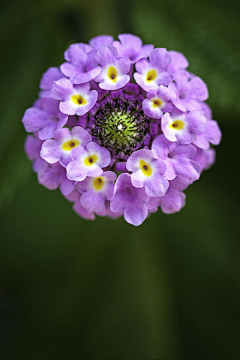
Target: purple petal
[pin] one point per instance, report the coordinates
(197, 121)
(164, 78)
(138, 179)
(188, 169)
(165, 122)
(100, 40)
(180, 184)
(130, 41)
(157, 185)
(153, 203)
(50, 105)
(104, 157)
(184, 137)
(75, 171)
(145, 52)
(110, 175)
(206, 110)
(62, 89)
(106, 55)
(198, 88)
(149, 110)
(131, 47)
(180, 104)
(91, 101)
(166, 93)
(51, 151)
(212, 132)
(34, 119)
(48, 78)
(39, 165)
(124, 65)
(201, 142)
(67, 108)
(133, 160)
(142, 66)
(81, 134)
(160, 58)
(140, 80)
(62, 120)
(32, 147)
(187, 151)
(85, 77)
(62, 135)
(66, 187)
(205, 158)
(47, 131)
(68, 69)
(52, 176)
(136, 215)
(122, 80)
(170, 173)
(74, 196)
(173, 201)
(117, 203)
(109, 193)
(80, 210)
(179, 61)
(93, 201)
(76, 53)
(160, 147)
(78, 152)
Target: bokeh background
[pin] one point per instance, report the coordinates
(73, 289)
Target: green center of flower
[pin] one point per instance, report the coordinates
(120, 126)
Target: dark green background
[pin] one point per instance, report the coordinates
(73, 289)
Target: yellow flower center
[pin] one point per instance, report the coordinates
(157, 103)
(78, 100)
(112, 73)
(98, 183)
(151, 75)
(90, 160)
(177, 125)
(70, 144)
(146, 169)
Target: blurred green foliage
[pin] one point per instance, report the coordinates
(208, 33)
(73, 289)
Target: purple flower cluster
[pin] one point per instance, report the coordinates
(121, 128)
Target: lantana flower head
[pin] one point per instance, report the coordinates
(121, 128)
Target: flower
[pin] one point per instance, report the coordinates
(129, 200)
(52, 74)
(158, 101)
(173, 201)
(87, 161)
(81, 65)
(190, 93)
(44, 119)
(153, 72)
(147, 172)
(182, 127)
(64, 142)
(177, 158)
(74, 99)
(100, 40)
(114, 73)
(33, 147)
(211, 135)
(131, 47)
(121, 128)
(96, 190)
(178, 65)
